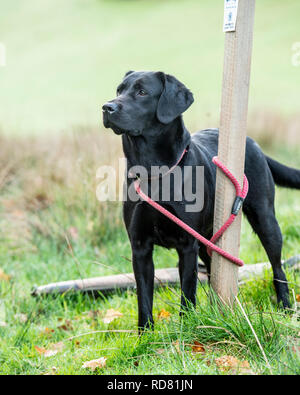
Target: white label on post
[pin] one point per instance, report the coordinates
(230, 13)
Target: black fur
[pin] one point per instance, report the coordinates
(147, 112)
(283, 175)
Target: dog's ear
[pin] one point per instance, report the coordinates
(174, 100)
(128, 73)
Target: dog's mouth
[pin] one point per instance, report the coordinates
(116, 129)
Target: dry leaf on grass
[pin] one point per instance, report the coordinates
(50, 352)
(77, 343)
(46, 353)
(296, 349)
(111, 315)
(294, 343)
(18, 214)
(296, 346)
(8, 204)
(4, 276)
(52, 372)
(21, 317)
(230, 363)
(198, 347)
(66, 326)
(73, 232)
(95, 363)
(164, 314)
(176, 344)
(47, 332)
(58, 346)
(93, 314)
(298, 297)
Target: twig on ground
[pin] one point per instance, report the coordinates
(101, 331)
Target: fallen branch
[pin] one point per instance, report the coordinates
(163, 277)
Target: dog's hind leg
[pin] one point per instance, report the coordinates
(266, 226)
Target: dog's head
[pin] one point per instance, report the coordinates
(144, 99)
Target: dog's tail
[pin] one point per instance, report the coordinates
(284, 176)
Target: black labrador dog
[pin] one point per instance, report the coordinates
(147, 112)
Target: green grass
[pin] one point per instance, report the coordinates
(154, 353)
(34, 251)
(64, 59)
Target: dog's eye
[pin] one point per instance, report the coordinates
(141, 92)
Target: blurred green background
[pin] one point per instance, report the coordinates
(65, 58)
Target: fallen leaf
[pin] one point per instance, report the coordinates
(73, 232)
(296, 345)
(47, 331)
(164, 314)
(66, 326)
(39, 201)
(4, 276)
(93, 314)
(18, 214)
(176, 344)
(111, 315)
(228, 362)
(298, 297)
(296, 349)
(46, 353)
(50, 352)
(21, 317)
(198, 347)
(58, 346)
(95, 363)
(52, 372)
(8, 204)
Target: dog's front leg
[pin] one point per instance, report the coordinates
(188, 270)
(144, 275)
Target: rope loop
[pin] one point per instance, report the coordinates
(241, 194)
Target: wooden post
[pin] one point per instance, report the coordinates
(232, 139)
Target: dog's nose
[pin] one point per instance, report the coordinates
(110, 107)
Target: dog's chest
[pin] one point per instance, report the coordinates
(167, 234)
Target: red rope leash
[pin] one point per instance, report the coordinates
(240, 196)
